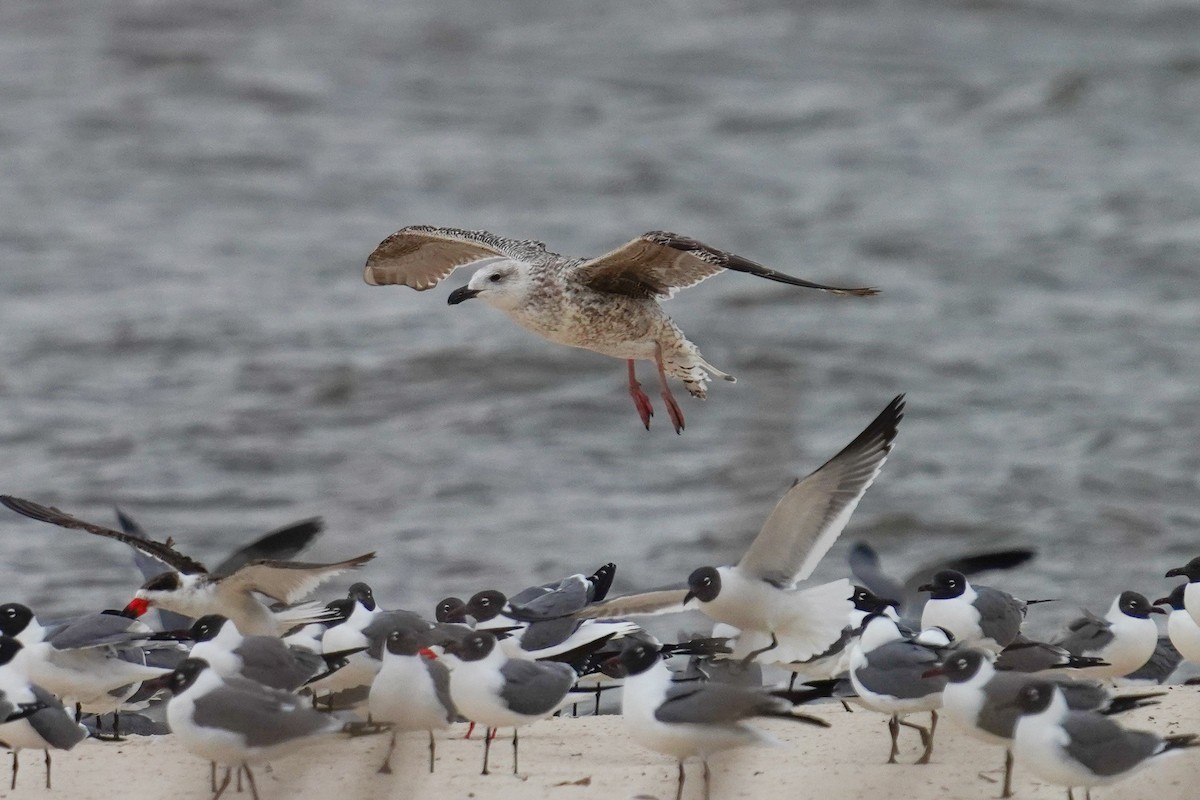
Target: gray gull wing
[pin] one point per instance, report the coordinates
(659, 601)
(808, 519)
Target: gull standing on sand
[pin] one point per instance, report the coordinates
(982, 700)
(188, 588)
(696, 718)
(493, 690)
(95, 660)
(1125, 637)
(48, 726)
(609, 305)
(976, 615)
(896, 675)
(1183, 630)
(1191, 592)
(1081, 748)
(237, 722)
(411, 691)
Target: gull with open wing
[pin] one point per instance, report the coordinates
(187, 587)
(608, 304)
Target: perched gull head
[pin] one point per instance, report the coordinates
(503, 284)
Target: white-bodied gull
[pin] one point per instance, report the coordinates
(981, 700)
(696, 719)
(1125, 637)
(1081, 748)
(496, 691)
(44, 724)
(977, 615)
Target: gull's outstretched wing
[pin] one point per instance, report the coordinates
(659, 601)
(421, 256)
(163, 551)
(808, 519)
(278, 545)
(287, 581)
(659, 263)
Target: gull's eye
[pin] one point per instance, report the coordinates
(495, 278)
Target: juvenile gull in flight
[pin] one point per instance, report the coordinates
(608, 304)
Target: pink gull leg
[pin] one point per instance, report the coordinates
(640, 400)
(672, 407)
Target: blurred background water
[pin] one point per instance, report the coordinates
(190, 189)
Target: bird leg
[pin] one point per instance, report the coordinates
(894, 730)
(470, 730)
(224, 784)
(926, 738)
(14, 775)
(597, 711)
(487, 745)
(679, 786)
(386, 767)
(753, 654)
(432, 749)
(707, 779)
(47, 752)
(212, 776)
(239, 780)
(846, 706)
(514, 751)
(641, 400)
(1008, 768)
(673, 409)
(250, 780)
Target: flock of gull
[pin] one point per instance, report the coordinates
(244, 668)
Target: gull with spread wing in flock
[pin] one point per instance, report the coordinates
(188, 588)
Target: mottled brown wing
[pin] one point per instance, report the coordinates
(421, 256)
(659, 263)
(159, 550)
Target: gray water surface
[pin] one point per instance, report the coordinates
(190, 189)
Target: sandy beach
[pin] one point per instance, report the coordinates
(573, 759)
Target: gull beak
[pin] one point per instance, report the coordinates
(460, 294)
(933, 673)
(1175, 573)
(925, 587)
(1155, 610)
(1163, 601)
(425, 652)
(137, 606)
(689, 597)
